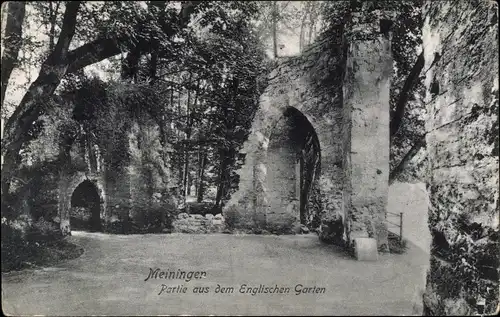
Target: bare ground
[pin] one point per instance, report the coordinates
(108, 279)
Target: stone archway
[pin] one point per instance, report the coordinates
(85, 213)
(291, 92)
(293, 161)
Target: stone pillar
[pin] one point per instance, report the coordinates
(64, 202)
(366, 133)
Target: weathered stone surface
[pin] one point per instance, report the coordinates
(365, 249)
(198, 223)
(217, 221)
(366, 135)
(462, 140)
(199, 217)
(300, 91)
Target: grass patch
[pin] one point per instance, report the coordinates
(28, 254)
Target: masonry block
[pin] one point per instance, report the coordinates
(365, 249)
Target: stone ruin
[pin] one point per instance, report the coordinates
(317, 155)
(319, 145)
(113, 177)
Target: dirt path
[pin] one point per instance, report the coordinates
(109, 278)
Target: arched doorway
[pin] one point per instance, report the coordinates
(293, 163)
(85, 208)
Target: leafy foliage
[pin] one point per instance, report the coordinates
(202, 94)
(406, 41)
(195, 74)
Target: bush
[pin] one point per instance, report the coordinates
(151, 217)
(395, 245)
(43, 230)
(230, 217)
(116, 227)
(332, 230)
(13, 248)
(19, 252)
(202, 208)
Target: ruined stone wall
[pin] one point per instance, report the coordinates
(147, 173)
(124, 163)
(306, 84)
(460, 42)
(185, 223)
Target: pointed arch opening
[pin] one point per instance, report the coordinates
(294, 162)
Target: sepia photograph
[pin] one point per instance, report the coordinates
(250, 158)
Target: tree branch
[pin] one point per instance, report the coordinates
(59, 63)
(67, 32)
(394, 173)
(92, 53)
(404, 96)
(105, 48)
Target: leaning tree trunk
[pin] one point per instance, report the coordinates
(60, 62)
(51, 73)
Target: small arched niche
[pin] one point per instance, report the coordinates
(85, 214)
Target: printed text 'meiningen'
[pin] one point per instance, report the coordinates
(175, 275)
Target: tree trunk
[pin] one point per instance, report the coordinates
(201, 176)
(186, 172)
(130, 66)
(303, 25)
(158, 6)
(51, 73)
(59, 63)
(312, 21)
(189, 124)
(220, 189)
(274, 23)
(153, 66)
(197, 175)
(104, 48)
(180, 149)
(12, 41)
(223, 177)
(189, 184)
